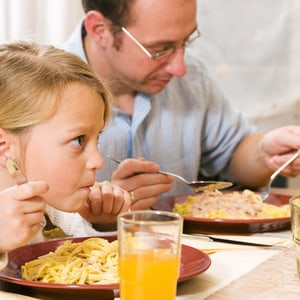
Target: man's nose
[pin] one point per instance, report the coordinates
(176, 65)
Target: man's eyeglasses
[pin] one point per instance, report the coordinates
(166, 52)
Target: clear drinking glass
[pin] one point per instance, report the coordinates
(149, 254)
(295, 226)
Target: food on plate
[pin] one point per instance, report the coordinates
(230, 205)
(92, 261)
(54, 233)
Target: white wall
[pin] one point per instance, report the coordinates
(252, 48)
(48, 21)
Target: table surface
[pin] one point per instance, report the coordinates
(263, 273)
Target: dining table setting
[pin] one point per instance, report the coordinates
(248, 259)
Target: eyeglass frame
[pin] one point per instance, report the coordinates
(163, 53)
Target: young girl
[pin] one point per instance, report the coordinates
(52, 109)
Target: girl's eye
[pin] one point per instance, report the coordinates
(78, 141)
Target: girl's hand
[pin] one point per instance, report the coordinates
(21, 212)
(105, 203)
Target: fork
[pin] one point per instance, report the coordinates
(197, 186)
(265, 193)
(15, 171)
(202, 185)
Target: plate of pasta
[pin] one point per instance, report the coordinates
(238, 212)
(85, 268)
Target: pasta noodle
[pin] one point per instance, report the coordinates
(92, 261)
(235, 205)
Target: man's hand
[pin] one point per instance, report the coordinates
(140, 178)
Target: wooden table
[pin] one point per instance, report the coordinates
(250, 273)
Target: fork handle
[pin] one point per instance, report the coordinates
(174, 175)
(118, 161)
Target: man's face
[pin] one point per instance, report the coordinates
(157, 25)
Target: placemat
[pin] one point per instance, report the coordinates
(276, 278)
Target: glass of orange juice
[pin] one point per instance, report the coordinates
(149, 254)
(295, 227)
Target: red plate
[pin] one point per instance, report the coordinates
(193, 262)
(229, 226)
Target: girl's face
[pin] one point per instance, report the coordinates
(63, 150)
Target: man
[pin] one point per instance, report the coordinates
(168, 114)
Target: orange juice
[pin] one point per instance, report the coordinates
(148, 276)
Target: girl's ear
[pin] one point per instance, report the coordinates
(6, 151)
(97, 27)
(3, 141)
(5, 146)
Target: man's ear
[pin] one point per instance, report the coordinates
(97, 27)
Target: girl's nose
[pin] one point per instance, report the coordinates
(95, 160)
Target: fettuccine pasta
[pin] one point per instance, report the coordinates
(235, 205)
(92, 261)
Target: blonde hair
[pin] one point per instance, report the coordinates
(31, 79)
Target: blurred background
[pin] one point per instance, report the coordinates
(47, 21)
(250, 47)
